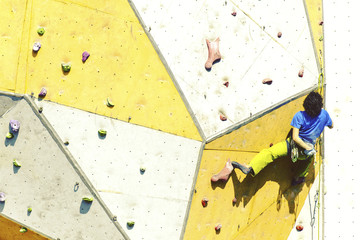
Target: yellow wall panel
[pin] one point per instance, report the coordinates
(123, 66)
(12, 13)
(11, 230)
(259, 134)
(314, 9)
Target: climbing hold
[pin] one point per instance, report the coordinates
(14, 125)
(115, 218)
(279, 34)
(41, 31)
(213, 53)
(234, 200)
(66, 67)
(66, 143)
(299, 228)
(226, 84)
(42, 93)
(36, 46)
(23, 230)
(321, 38)
(88, 199)
(2, 197)
(142, 169)
(321, 22)
(16, 163)
(129, 118)
(267, 81)
(218, 227)
(301, 72)
(204, 202)
(233, 13)
(102, 132)
(131, 223)
(9, 135)
(109, 103)
(29, 210)
(40, 109)
(271, 144)
(223, 117)
(85, 56)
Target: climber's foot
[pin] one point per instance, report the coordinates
(243, 168)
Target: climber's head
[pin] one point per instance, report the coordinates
(313, 104)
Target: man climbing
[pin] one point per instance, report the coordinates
(307, 127)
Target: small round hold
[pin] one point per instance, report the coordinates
(142, 170)
(301, 73)
(226, 84)
(279, 34)
(66, 143)
(223, 117)
(234, 14)
(114, 218)
(204, 202)
(36, 46)
(218, 227)
(41, 31)
(42, 92)
(267, 81)
(321, 22)
(41, 109)
(271, 144)
(234, 200)
(299, 228)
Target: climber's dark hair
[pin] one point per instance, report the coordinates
(313, 104)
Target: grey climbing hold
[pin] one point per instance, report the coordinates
(2, 197)
(14, 125)
(36, 46)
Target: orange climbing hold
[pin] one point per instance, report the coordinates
(299, 227)
(204, 202)
(213, 53)
(223, 117)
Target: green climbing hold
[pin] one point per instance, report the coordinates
(131, 223)
(23, 230)
(102, 132)
(321, 38)
(9, 135)
(66, 67)
(29, 209)
(109, 103)
(88, 199)
(16, 163)
(41, 31)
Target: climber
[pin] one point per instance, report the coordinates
(307, 127)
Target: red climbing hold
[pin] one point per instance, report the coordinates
(222, 117)
(226, 84)
(299, 228)
(234, 200)
(233, 13)
(279, 34)
(271, 144)
(218, 227)
(321, 23)
(301, 73)
(204, 202)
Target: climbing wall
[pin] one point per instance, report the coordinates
(341, 175)
(170, 123)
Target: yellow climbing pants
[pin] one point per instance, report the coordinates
(267, 156)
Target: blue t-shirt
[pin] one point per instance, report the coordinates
(311, 128)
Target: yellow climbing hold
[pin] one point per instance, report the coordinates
(16, 163)
(88, 199)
